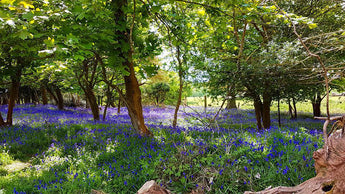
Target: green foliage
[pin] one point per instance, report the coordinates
(5, 158)
(158, 92)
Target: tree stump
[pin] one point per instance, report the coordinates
(151, 187)
(329, 166)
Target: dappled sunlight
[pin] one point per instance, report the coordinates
(72, 153)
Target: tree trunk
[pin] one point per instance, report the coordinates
(279, 119)
(316, 109)
(35, 97)
(2, 122)
(133, 98)
(290, 109)
(52, 94)
(105, 110)
(14, 91)
(231, 102)
(59, 98)
(266, 110)
(133, 93)
(74, 102)
(294, 107)
(316, 102)
(179, 98)
(119, 106)
(258, 111)
(91, 98)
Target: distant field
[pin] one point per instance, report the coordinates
(337, 104)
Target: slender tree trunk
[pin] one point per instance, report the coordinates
(290, 109)
(14, 91)
(109, 97)
(205, 104)
(2, 122)
(119, 105)
(258, 111)
(133, 93)
(179, 98)
(266, 105)
(105, 110)
(279, 119)
(294, 107)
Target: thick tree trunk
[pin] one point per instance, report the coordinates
(35, 98)
(91, 98)
(231, 102)
(316, 109)
(133, 93)
(316, 103)
(179, 98)
(52, 95)
(59, 98)
(258, 111)
(266, 110)
(133, 98)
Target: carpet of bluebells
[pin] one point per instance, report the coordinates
(67, 152)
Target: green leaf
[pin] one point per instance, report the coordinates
(28, 16)
(79, 57)
(24, 35)
(312, 25)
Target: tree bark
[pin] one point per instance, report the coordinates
(294, 107)
(258, 111)
(231, 102)
(316, 103)
(266, 110)
(14, 91)
(52, 94)
(91, 98)
(133, 93)
(59, 98)
(109, 96)
(179, 98)
(2, 122)
(279, 119)
(316, 109)
(290, 109)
